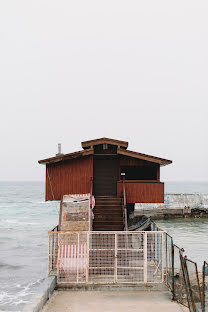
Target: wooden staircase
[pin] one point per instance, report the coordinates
(108, 214)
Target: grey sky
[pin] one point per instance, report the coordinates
(77, 70)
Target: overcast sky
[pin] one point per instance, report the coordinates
(77, 70)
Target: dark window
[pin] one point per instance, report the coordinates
(139, 172)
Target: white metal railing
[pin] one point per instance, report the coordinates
(107, 257)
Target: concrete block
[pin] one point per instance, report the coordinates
(43, 293)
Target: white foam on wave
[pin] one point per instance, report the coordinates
(20, 297)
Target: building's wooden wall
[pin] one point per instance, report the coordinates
(69, 177)
(142, 192)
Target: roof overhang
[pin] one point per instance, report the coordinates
(88, 149)
(91, 143)
(157, 160)
(62, 157)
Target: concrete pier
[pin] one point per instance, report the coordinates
(112, 301)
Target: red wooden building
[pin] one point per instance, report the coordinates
(104, 164)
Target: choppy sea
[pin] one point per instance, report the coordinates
(25, 219)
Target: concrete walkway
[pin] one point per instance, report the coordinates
(111, 301)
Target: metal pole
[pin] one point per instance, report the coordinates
(173, 280)
(145, 257)
(77, 257)
(115, 266)
(162, 264)
(88, 258)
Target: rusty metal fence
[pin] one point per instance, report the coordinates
(205, 287)
(107, 257)
(187, 286)
(52, 251)
(128, 258)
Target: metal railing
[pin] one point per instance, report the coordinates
(52, 251)
(182, 277)
(90, 212)
(128, 258)
(107, 257)
(205, 287)
(124, 209)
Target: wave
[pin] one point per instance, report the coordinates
(10, 266)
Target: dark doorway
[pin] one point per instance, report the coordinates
(105, 176)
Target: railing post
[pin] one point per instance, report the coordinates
(173, 280)
(162, 264)
(203, 287)
(116, 264)
(166, 258)
(77, 258)
(88, 258)
(145, 256)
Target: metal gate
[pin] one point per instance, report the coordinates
(109, 257)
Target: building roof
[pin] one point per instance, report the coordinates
(121, 150)
(91, 143)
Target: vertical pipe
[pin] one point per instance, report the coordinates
(48, 253)
(203, 288)
(58, 262)
(88, 258)
(166, 257)
(145, 256)
(189, 286)
(173, 280)
(115, 265)
(161, 255)
(77, 257)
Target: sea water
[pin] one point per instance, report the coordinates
(25, 219)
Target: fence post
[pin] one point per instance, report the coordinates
(145, 257)
(173, 279)
(162, 258)
(115, 266)
(187, 284)
(166, 257)
(203, 288)
(78, 258)
(88, 258)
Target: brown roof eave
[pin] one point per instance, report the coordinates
(157, 160)
(63, 157)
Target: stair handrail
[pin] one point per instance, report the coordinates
(124, 208)
(91, 213)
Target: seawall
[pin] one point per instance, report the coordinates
(175, 205)
(43, 293)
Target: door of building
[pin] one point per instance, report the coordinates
(105, 175)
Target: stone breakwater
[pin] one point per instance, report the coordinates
(175, 205)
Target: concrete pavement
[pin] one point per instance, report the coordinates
(112, 301)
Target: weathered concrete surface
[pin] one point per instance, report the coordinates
(178, 201)
(43, 293)
(111, 301)
(174, 206)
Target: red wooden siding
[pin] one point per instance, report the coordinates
(69, 177)
(142, 192)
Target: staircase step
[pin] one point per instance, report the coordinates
(108, 199)
(108, 228)
(108, 206)
(104, 223)
(106, 213)
(108, 217)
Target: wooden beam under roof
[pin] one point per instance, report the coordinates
(91, 143)
(157, 160)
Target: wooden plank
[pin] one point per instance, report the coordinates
(143, 192)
